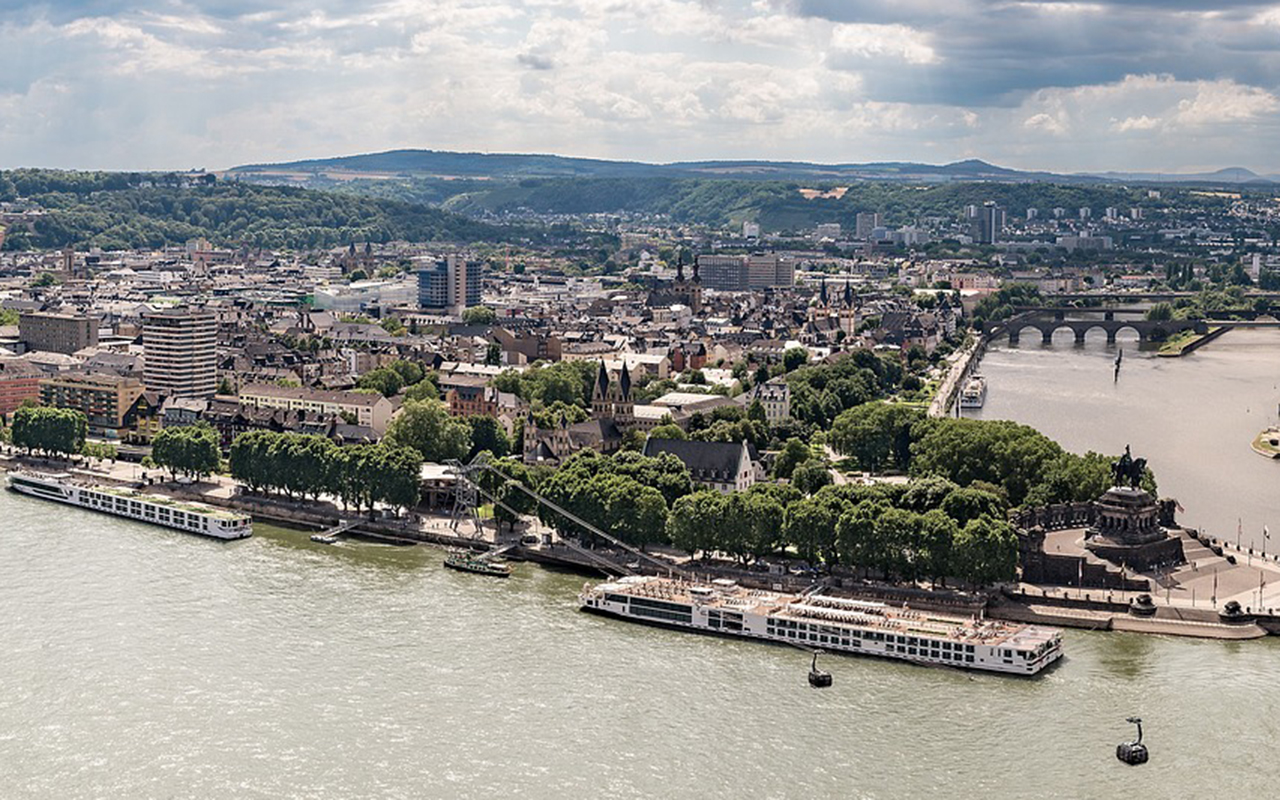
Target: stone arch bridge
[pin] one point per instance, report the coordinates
(1146, 330)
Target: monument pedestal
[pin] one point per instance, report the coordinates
(1126, 531)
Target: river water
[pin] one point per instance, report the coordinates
(140, 662)
(1193, 418)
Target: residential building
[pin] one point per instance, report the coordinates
(369, 410)
(104, 399)
(179, 349)
(19, 382)
(867, 221)
(57, 333)
(775, 396)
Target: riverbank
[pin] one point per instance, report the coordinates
(1188, 341)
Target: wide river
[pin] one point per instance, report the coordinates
(138, 662)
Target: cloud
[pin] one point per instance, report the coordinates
(1048, 84)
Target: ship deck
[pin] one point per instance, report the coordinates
(727, 596)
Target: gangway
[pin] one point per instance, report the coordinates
(332, 535)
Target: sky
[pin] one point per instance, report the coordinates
(1156, 85)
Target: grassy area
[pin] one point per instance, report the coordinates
(1174, 345)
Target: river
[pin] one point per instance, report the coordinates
(140, 662)
(1193, 418)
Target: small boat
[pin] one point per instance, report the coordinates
(818, 678)
(466, 562)
(1135, 752)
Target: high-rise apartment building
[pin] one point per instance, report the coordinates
(179, 349)
(57, 333)
(769, 270)
(866, 222)
(986, 222)
(451, 284)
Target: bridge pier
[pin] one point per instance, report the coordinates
(1080, 332)
(1046, 336)
(1111, 335)
(1108, 316)
(1013, 337)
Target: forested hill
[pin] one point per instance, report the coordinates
(128, 210)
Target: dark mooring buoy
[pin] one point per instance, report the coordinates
(818, 677)
(1135, 752)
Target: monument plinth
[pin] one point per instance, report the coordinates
(1126, 526)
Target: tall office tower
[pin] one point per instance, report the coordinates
(452, 284)
(1032, 213)
(867, 222)
(179, 348)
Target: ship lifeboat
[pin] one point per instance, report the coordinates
(1135, 752)
(818, 678)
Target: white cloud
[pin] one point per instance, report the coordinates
(1142, 123)
(898, 41)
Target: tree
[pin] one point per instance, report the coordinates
(493, 355)
(488, 434)
(986, 551)
(794, 358)
(479, 315)
(192, 450)
(425, 425)
(424, 389)
(384, 380)
(393, 326)
(693, 521)
(669, 430)
(409, 372)
(811, 476)
(49, 430)
(225, 387)
(811, 527)
(876, 435)
(794, 453)
(1160, 312)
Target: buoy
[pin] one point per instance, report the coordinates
(817, 677)
(1135, 752)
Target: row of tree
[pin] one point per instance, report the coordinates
(50, 431)
(300, 465)
(192, 450)
(927, 528)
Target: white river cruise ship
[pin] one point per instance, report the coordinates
(122, 502)
(832, 624)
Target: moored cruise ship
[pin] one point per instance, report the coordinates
(833, 624)
(974, 393)
(122, 502)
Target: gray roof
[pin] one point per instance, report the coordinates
(707, 461)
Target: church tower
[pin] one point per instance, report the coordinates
(600, 395)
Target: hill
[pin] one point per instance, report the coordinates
(128, 210)
(497, 166)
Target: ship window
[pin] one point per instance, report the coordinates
(911, 651)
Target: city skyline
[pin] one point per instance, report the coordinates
(1189, 86)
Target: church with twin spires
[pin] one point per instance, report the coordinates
(612, 418)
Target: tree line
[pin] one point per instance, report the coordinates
(301, 465)
(1014, 461)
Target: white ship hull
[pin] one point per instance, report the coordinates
(974, 394)
(832, 636)
(188, 517)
